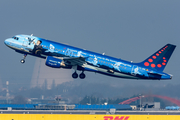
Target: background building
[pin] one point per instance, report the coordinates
(46, 77)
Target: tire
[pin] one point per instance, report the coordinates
(82, 75)
(75, 75)
(22, 61)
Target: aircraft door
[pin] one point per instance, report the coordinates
(135, 70)
(25, 42)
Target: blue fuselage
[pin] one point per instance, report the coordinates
(93, 62)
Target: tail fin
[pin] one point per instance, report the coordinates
(159, 59)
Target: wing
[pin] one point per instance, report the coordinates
(74, 60)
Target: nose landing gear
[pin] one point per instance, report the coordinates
(23, 60)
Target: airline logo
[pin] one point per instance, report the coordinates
(151, 60)
(116, 118)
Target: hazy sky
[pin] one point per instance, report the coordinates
(128, 29)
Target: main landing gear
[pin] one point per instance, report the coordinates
(23, 60)
(75, 75)
(82, 75)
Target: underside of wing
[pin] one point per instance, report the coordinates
(74, 60)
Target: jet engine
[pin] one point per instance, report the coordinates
(56, 63)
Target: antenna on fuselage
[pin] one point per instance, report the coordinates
(103, 54)
(31, 34)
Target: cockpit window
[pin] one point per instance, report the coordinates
(16, 38)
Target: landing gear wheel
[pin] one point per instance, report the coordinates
(75, 75)
(82, 75)
(22, 61)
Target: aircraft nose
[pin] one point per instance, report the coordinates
(6, 42)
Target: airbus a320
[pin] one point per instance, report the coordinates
(60, 55)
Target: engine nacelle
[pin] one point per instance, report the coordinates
(56, 63)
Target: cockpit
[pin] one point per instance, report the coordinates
(16, 38)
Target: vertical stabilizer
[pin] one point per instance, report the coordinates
(159, 59)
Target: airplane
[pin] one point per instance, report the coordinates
(60, 55)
